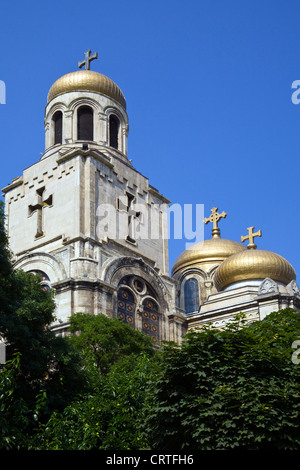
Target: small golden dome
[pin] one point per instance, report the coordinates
(207, 253)
(253, 264)
(86, 80)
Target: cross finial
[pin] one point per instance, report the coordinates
(88, 59)
(250, 237)
(214, 218)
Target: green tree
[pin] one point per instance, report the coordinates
(5, 266)
(103, 341)
(236, 388)
(47, 362)
(13, 410)
(47, 366)
(25, 312)
(107, 419)
(119, 362)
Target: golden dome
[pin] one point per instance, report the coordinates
(86, 80)
(253, 264)
(207, 253)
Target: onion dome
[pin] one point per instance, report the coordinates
(253, 264)
(208, 253)
(87, 80)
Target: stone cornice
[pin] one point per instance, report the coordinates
(63, 157)
(156, 193)
(82, 282)
(15, 182)
(40, 245)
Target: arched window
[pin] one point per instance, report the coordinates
(85, 123)
(150, 324)
(58, 123)
(114, 125)
(191, 295)
(126, 306)
(45, 281)
(137, 306)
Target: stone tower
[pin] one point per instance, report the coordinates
(86, 220)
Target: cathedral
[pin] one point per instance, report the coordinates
(96, 230)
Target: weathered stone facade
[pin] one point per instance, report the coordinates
(85, 217)
(96, 230)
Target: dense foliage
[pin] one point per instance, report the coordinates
(103, 341)
(118, 361)
(39, 364)
(232, 389)
(109, 418)
(85, 391)
(106, 387)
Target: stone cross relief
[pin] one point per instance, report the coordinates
(38, 207)
(132, 215)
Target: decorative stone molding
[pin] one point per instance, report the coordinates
(15, 182)
(191, 271)
(42, 261)
(69, 113)
(208, 284)
(223, 322)
(114, 269)
(293, 289)
(268, 286)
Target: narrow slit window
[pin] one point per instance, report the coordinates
(58, 122)
(191, 296)
(85, 123)
(114, 125)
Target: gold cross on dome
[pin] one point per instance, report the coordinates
(88, 59)
(214, 219)
(251, 237)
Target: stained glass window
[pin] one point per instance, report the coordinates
(126, 306)
(138, 285)
(44, 276)
(135, 291)
(45, 282)
(150, 291)
(191, 295)
(125, 280)
(150, 322)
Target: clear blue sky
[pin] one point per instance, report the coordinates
(208, 90)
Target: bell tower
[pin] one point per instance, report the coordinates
(86, 109)
(86, 219)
